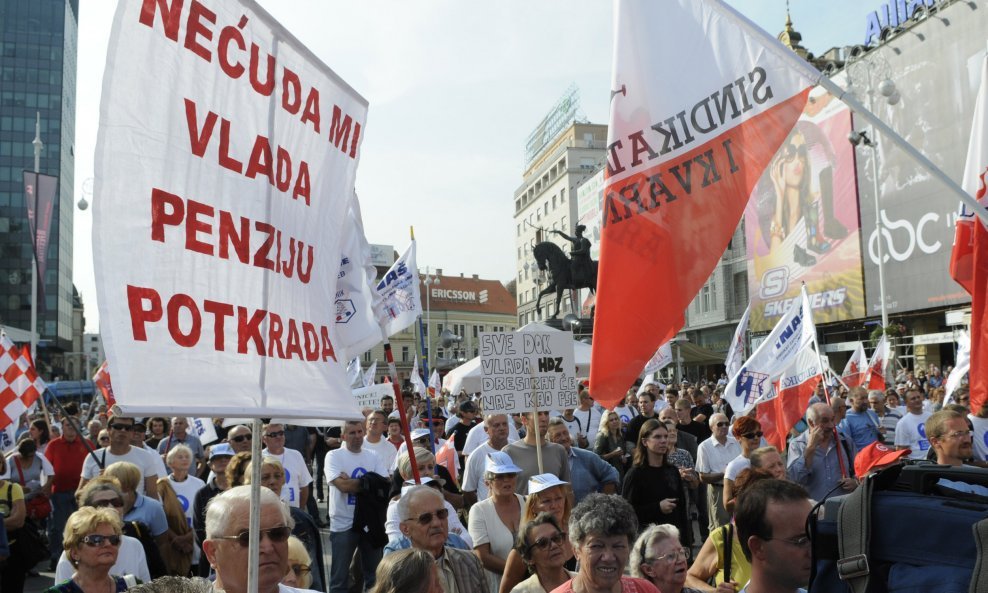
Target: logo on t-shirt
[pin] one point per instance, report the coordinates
(921, 428)
(351, 499)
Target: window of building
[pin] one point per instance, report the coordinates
(553, 202)
(404, 354)
(562, 196)
(367, 356)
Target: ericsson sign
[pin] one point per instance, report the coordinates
(460, 296)
(891, 14)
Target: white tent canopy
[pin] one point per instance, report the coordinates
(467, 376)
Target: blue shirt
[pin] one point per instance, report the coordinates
(588, 472)
(403, 543)
(150, 512)
(862, 427)
(823, 474)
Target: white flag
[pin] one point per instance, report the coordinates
(962, 367)
(417, 384)
(857, 365)
(401, 302)
(356, 323)
(659, 360)
(353, 372)
(435, 384)
(735, 354)
(370, 373)
(204, 429)
(793, 332)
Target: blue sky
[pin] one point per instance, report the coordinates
(455, 87)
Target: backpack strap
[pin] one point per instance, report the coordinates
(854, 537)
(728, 550)
(979, 580)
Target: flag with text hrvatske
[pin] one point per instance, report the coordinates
(701, 100)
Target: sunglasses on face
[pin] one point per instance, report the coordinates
(276, 434)
(110, 502)
(243, 437)
(102, 439)
(300, 569)
(426, 518)
(753, 435)
(95, 540)
(543, 543)
(793, 151)
(277, 535)
(723, 424)
(124, 427)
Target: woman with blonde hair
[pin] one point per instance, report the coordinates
(236, 468)
(609, 444)
(178, 555)
(299, 573)
(92, 541)
(408, 571)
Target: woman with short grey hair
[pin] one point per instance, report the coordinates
(659, 558)
(602, 529)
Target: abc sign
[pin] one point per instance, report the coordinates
(906, 238)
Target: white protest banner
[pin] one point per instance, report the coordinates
(225, 160)
(519, 366)
(370, 397)
(660, 360)
(204, 429)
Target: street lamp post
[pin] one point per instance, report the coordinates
(429, 281)
(864, 74)
(38, 146)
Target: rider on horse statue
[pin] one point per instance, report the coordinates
(581, 267)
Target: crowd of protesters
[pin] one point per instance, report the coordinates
(496, 505)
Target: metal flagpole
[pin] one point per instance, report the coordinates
(254, 527)
(38, 145)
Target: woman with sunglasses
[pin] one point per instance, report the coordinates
(748, 433)
(494, 522)
(92, 540)
(546, 494)
(299, 573)
(653, 485)
(543, 546)
(659, 558)
(132, 558)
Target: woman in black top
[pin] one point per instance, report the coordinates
(653, 485)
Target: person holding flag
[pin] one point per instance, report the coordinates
(818, 458)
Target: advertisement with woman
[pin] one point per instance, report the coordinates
(802, 224)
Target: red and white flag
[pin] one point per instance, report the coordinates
(102, 381)
(854, 372)
(20, 385)
(875, 376)
(446, 457)
(701, 101)
(435, 383)
(969, 259)
(794, 389)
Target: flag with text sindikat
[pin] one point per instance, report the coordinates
(793, 391)
(791, 334)
(854, 371)
(875, 375)
(699, 107)
(969, 259)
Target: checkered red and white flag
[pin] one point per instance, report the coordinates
(102, 380)
(20, 385)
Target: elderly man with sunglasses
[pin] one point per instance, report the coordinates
(423, 519)
(712, 458)
(227, 541)
(822, 459)
(120, 449)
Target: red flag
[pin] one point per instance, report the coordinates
(102, 380)
(794, 389)
(20, 385)
(685, 151)
(969, 259)
(875, 376)
(446, 457)
(854, 372)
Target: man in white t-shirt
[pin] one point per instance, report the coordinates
(478, 436)
(137, 437)
(712, 458)
(910, 432)
(375, 440)
(120, 449)
(297, 476)
(344, 468)
(474, 488)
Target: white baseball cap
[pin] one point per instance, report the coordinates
(499, 462)
(542, 482)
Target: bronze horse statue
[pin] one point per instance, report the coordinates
(551, 256)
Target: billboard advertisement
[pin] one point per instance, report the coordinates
(801, 222)
(937, 75)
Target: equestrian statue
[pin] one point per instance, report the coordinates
(566, 273)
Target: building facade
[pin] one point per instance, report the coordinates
(38, 41)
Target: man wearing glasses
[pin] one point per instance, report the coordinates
(239, 438)
(120, 449)
(226, 545)
(771, 521)
(424, 521)
(813, 455)
(951, 438)
(712, 458)
(297, 476)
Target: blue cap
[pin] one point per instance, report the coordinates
(221, 450)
